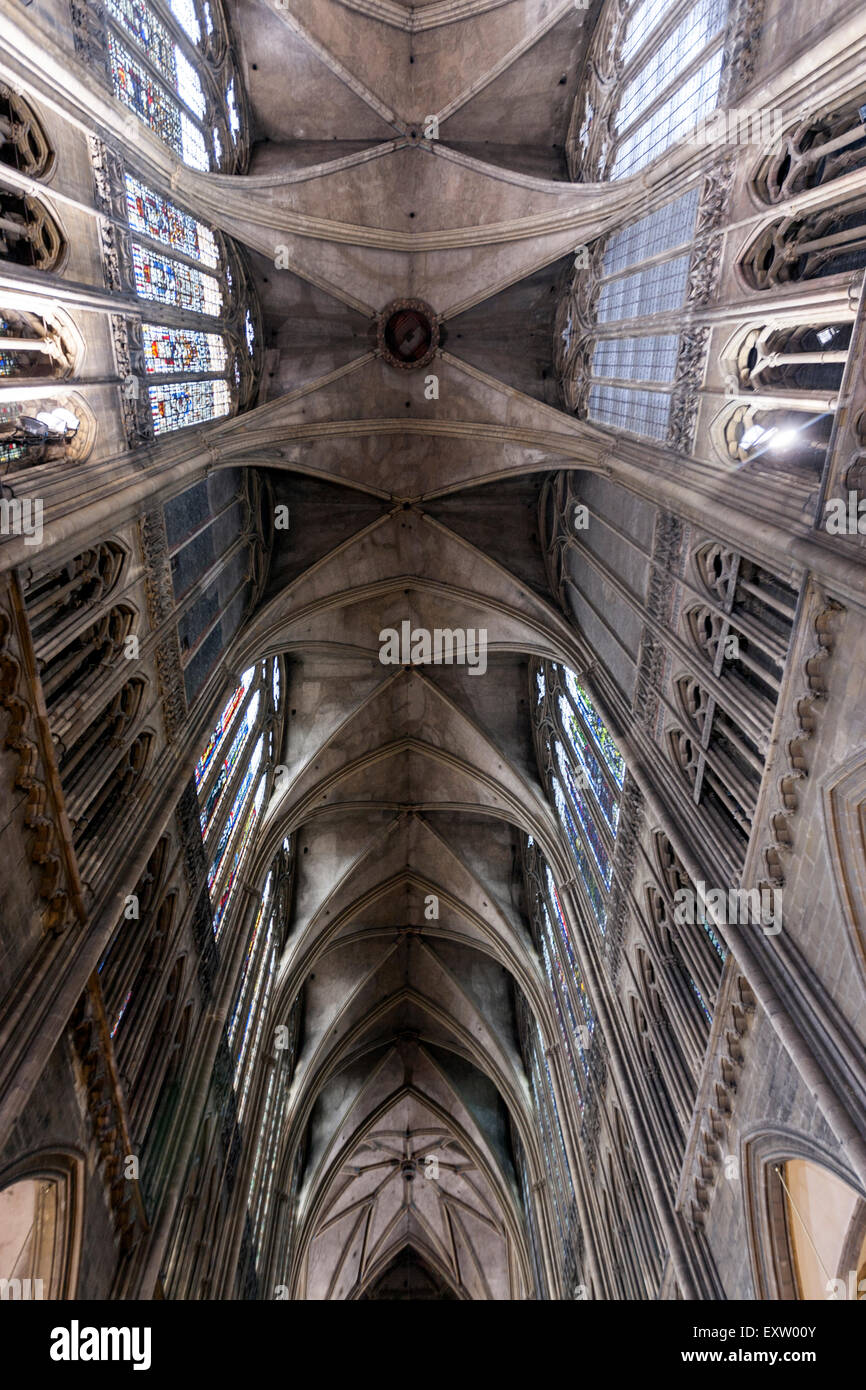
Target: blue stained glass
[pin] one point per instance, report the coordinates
(180, 403)
(582, 750)
(223, 725)
(230, 762)
(234, 815)
(584, 812)
(169, 281)
(156, 217)
(135, 87)
(240, 853)
(142, 24)
(606, 745)
(580, 856)
(182, 350)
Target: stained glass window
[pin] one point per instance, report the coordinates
(142, 24)
(585, 815)
(135, 87)
(229, 763)
(223, 725)
(156, 217)
(276, 685)
(239, 856)
(171, 282)
(180, 403)
(249, 332)
(184, 13)
(232, 109)
(595, 724)
(234, 816)
(182, 350)
(583, 752)
(581, 857)
(121, 1011)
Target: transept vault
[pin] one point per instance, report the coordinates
(428, 602)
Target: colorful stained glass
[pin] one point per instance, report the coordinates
(580, 747)
(134, 86)
(171, 282)
(585, 815)
(156, 217)
(580, 856)
(221, 857)
(223, 725)
(121, 1012)
(239, 856)
(182, 350)
(181, 403)
(230, 762)
(606, 745)
(138, 19)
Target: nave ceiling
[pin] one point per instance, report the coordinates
(408, 785)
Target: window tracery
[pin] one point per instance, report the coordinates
(23, 143)
(171, 64)
(183, 375)
(728, 701)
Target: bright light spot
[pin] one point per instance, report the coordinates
(783, 439)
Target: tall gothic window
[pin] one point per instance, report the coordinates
(654, 72)
(216, 549)
(205, 370)
(673, 62)
(552, 939)
(614, 370)
(168, 66)
(584, 773)
(231, 780)
(559, 1178)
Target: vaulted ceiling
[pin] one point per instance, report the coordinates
(408, 787)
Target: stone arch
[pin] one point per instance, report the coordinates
(41, 1212)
